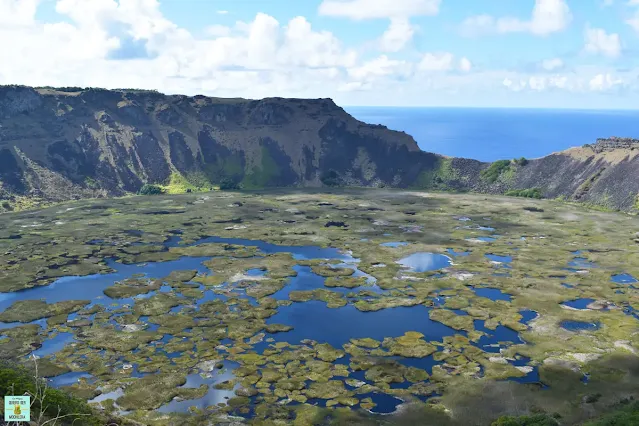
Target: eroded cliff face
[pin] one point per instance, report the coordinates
(62, 144)
(59, 144)
(591, 174)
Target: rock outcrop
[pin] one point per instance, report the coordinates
(68, 143)
(613, 143)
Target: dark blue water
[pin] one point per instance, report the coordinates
(490, 134)
(527, 315)
(91, 287)
(493, 340)
(579, 303)
(579, 325)
(68, 379)
(55, 344)
(492, 294)
(454, 253)
(623, 279)
(313, 320)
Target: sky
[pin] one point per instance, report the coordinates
(468, 53)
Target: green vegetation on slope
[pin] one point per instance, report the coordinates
(492, 173)
(526, 193)
(260, 176)
(179, 184)
(16, 380)
(439, 177)
(505, 169)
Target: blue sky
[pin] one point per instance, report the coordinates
(499, 53)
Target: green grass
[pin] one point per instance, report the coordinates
(526, 193)
(492, 173)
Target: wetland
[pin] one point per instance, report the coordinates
(289, 307)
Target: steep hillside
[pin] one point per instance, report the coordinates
(68, 143)
(59, 144)
(604, 174)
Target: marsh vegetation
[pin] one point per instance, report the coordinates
(236, 308)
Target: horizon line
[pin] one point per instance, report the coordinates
(492, 107)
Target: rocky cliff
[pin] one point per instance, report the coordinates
(68, 143)
(59, 144)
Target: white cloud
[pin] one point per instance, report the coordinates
(465, 65)
(634, 20)
(218, 30)
(400, 31)
(443, 62)
(436, 62)
(552, 64)
(17, 12)
(548, 16)
(602, 82)
(258, 58)
(375, 9)
(379, 67)
(397, 36)
(222, 12)
(599, 42)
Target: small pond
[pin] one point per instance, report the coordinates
(423, 262)
(579, 325)
(623, 279)
(578, 303)
(492, 293)
(394, 244)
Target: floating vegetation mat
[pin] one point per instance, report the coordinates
(292, 307)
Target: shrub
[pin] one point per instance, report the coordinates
(47, 403)
(149, 189)
(628, 415)
(492, 173)
(331, 178)
(527, 193)
(521, 161)
(535, 420)
(229, 184)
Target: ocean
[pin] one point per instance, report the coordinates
(490, 134)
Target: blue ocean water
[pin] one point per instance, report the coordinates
(490, 134)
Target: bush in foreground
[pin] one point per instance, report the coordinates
(47, 403)
(149, 189)
(527, 193)
(228, 184)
